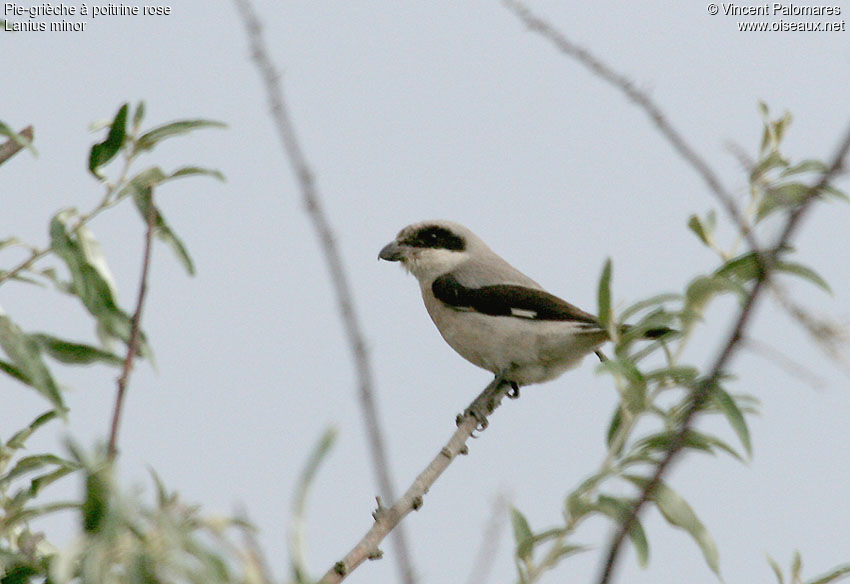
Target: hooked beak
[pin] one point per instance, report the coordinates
(392, 252)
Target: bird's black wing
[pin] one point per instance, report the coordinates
(508, 300)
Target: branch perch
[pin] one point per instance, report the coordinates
(322, 226)
(386, 519)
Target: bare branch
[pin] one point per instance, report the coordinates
(386, 519)
(310, 195)
(11, 147)
(643, 101)
(135, 332)
(702, 392)
(483, 565)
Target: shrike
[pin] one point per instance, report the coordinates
(492, 314)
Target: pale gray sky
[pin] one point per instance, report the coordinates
(409, 111)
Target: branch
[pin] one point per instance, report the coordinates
(135, 331)
(386, 519)
(11, 147)
(310, 195)
(702, 392)
(643, 101)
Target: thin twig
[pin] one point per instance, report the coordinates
(702, 392)
(387, 518)
(482, 567)
(135, 333)
(310, 195)
(11, 147)
(106, 202)
(643, 101)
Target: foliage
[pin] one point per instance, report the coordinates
(655, 384)
(124, 538)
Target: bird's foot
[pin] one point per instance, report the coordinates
(487, 401)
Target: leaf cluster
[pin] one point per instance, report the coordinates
(121, 536)
(656, 387)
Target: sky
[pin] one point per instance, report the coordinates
(411, 111)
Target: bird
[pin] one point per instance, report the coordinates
(490, 313)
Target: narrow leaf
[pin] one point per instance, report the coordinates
(695, 225)
(777, 571)
(26, 358)
(803, 167)
(804, 272)
(138, 115)
(75, 353)
(619, 510)
(197, 171)
(105, 151)
(604, 295)
(728, 406)
(30, 464)
(833, 575)
(614, 427)
(20, 437)
(299, 505)
(163, 231)
(522, 535)
(149, 139)
(678, 513)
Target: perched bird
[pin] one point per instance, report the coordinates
(492, 314)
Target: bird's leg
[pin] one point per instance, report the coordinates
(513, 392)
(487, 401)
(601, 355)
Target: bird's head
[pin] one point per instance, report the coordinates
(429, 249)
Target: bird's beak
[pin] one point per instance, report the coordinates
(392, 252)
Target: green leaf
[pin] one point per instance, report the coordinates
(619, 510)
(149, 139)
(633, 392)
(44, 480)
(162, 230)
(29, 464)
(614, 426)
(198, 171)
(803, 167)
(654, 301)
(783, 196)
(796, 566)
(90, 283)
(678, 513)
(142, 182)
(75, 353)
(95, 507)
(683, 375)
(522, 535)
(777, 571)
(742, 268)
(105, 151)
(13, 371)
(604, 296)
(26, 359)
(19, 438)
(773, 160)
(804, 272)
(833, 575)
(729, 407)
(703, 289)
(138, 115)
(299, 503)
(695, 225)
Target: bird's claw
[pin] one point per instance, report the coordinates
(513, 392)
